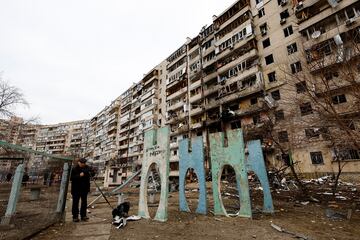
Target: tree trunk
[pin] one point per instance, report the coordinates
(303, 188)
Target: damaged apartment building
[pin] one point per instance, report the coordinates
(252, 65)
(65, 139)
(16, 131)
(141, 109)
(102, 135)
(59, 139)
(235, 74)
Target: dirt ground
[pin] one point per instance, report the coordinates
(308, 220)
(31, 216)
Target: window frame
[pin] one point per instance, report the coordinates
(306, 109)
(288, 31)
(269, 57)
(315, 157)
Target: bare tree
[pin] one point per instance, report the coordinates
(10, 98)
(326, 90)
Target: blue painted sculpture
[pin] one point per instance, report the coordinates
(194, 160)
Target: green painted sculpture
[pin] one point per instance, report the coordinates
(156, 150)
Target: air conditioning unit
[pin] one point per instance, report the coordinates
(283, 21)
(283, 2)
(349, 21)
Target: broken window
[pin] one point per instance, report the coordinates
(349, 154)
(316, 158)
(306, 109)
(253, 101)
(288, 31)
(256, 119)
(208, 44)
(311, 133)
(266, 43)
(276, 95)
(284, 14)
(286, 158)
(269, 59)
(261, 12)
(248, 82)
(236, 124)
(272, 77)
(292, 48)
(325, 48)
(300, 87)
(263, 29)
(296, 67)
(339, 99)
(283, 136)
(279, 115)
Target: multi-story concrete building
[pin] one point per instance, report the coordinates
(16, 131)
(103, 134)
(325, 50)
(238, 72)
(141, 109)
(60, 139)
(235, 73)
(213, 75)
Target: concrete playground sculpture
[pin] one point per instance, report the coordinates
(255, 162)
(192, 159)
(156, 150)
(234, 156)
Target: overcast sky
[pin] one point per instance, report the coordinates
(73, 57)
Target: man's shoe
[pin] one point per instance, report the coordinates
(85, 219)
(76, 220)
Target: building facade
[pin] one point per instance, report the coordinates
(258, 66)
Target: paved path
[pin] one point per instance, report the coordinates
(97, 228)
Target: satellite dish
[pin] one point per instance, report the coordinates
(316, 34)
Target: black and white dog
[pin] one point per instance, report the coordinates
(120, 213)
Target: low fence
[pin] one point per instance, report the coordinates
(33, 198)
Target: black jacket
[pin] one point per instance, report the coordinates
(80, 185)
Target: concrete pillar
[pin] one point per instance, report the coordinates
(233, 155)
(14, 195)
(156, 150)
(256, 163)
(63, 188)
(195, 160)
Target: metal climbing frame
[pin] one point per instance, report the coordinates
(33, 191)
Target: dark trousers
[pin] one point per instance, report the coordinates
(75, 205)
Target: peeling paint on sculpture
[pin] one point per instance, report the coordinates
(156, 150)
(255, 162)
(195, 160)
(234, 156)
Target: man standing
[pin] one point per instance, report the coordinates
(80, 187)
